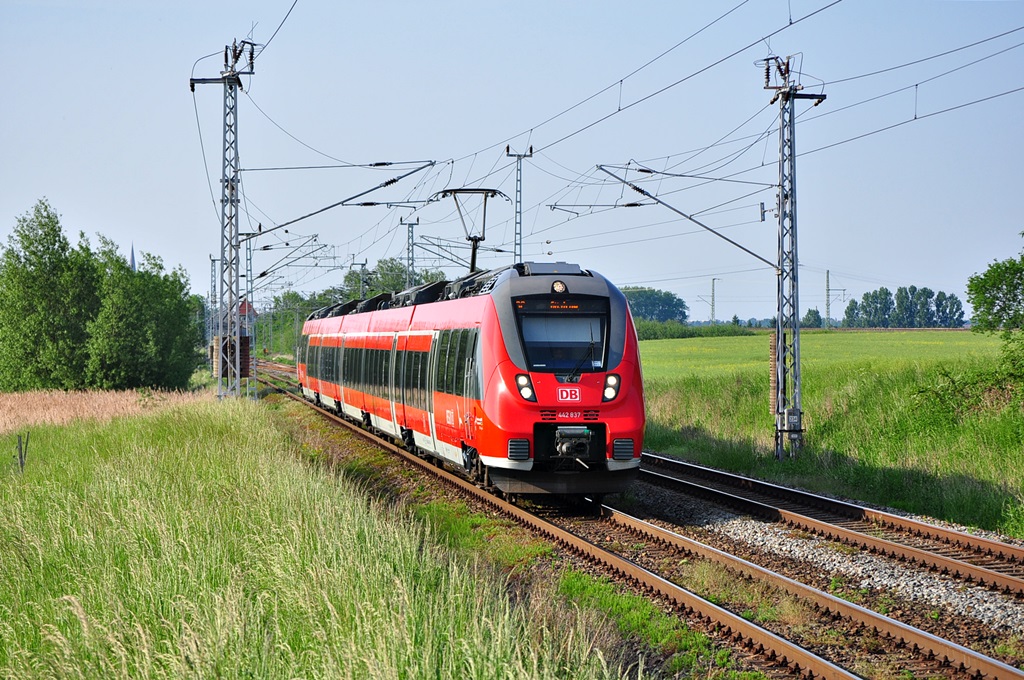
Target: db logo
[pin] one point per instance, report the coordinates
(569, 394)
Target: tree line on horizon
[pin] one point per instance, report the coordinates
(75, 318)
(910, 307)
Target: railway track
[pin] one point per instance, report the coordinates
(927, 654)
(972, 558)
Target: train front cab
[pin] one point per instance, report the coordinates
(566, 395)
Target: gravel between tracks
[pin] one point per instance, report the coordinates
(862, 570)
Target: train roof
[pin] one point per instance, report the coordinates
(477, 283)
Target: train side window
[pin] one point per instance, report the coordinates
(381, 375)
(375, 370)
(442, 361)
(385, 376)
(426, 396)
(419, 380)
(420, 385)
(360, 369)
(401, 382)
(455, 365)
(341, 360)
(451, 383)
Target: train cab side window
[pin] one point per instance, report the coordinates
(465, 369)
(476, 374)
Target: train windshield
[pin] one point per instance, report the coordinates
(561, 337)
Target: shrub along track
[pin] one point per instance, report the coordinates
(917, 652)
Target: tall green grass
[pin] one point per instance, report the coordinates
(907, 419)
(193, 543)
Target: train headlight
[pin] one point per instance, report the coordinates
(525, 387)
(611, 387)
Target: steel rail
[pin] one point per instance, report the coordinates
(977, 544)
(947, 565)
(962, 658)
(740, 631)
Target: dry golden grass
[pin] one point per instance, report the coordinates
(52, 407)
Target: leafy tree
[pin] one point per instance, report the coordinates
(71, 318)
(903, 311)
(387, 277)
(655, 305)
(48, 293)
(924, 309)
(997, 296)
(876, 307)
(949, 311)
(812, 319)
(146, 333)
(852, 317)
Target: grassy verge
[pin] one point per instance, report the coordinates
(631, 632)
(194, 543)
(906, 419)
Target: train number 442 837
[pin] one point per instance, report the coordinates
(570, 415)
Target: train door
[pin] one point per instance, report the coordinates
(395, 391)
(470, 397)
(433, 384)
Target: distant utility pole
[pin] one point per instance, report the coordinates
(828, 303)
(713, 299)
(517, 250)
(410, 255)
(228, 359)
(211, 324)
(828, 299)
(362, 274)
(788, 411)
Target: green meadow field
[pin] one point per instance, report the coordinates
(200, 542)
(896, 418)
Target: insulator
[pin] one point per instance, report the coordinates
(389, 182)
(767, 73)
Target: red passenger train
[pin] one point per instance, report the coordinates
(527, 376)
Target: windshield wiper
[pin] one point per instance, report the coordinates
(574, 373)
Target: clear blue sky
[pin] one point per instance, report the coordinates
(97, 116)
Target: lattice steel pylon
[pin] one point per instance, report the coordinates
(410, 252)
(788, 408)
(228, 359)
(517, 248)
